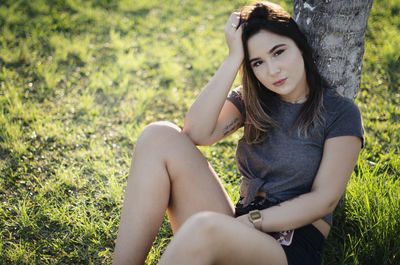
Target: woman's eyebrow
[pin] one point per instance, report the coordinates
(276, 47)
(254, 59)
(270, 51)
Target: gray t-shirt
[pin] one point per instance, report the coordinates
(285, 164)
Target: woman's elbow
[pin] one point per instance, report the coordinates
(326, 203)
(189, 133)
(329, 205)
(195, 137)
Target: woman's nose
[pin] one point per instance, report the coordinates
(273, 69)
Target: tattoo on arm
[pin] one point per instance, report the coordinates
(231, 126)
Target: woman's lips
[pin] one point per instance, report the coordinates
(280, 82)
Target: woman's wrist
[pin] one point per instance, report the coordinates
(256, 218)
(235, 58)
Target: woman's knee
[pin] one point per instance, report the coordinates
(192, 244)
(204, 231)
(205, 222)
(157, 133)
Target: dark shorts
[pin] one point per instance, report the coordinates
(307, 246)
(307, 243)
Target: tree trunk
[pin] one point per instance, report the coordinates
(335, 29)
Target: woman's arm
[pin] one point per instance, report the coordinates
(211, 117)
(338, 160)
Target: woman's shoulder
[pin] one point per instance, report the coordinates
(235, 96)
(336, 103)
(343, 117)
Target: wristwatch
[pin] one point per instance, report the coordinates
(256, 218)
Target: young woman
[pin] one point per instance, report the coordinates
(301, 142)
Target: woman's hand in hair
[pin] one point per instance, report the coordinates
(233, 36)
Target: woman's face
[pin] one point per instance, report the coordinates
(278, 64)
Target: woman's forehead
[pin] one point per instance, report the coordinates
(264, 41)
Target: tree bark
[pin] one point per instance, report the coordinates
(335, 29)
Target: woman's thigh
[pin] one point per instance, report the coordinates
(221, 239)
(246, 245)
(194, 185)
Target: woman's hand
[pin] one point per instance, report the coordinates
(233, 36)
(244, 219)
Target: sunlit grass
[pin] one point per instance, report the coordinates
(79, 80)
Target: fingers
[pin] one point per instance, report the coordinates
(244, 219)
(233, 22)
(233, 35)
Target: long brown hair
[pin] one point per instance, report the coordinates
(258, 100)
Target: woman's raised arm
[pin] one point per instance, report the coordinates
(211, 117)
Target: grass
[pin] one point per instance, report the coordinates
(79, 80)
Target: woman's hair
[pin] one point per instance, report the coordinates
(258, 100)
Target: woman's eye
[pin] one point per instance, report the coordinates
(278, 52)
(258, 63)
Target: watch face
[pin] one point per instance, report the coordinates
(255, 215)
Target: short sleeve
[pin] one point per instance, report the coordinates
(345, 120)
(235, 96)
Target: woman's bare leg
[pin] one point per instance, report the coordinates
(210, 238)
(167, 172)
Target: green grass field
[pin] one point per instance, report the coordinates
(80, 79)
